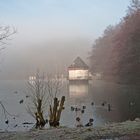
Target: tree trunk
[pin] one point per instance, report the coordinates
(55, 113)
(40, 122)
(61, 107)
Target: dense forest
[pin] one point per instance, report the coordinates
(116, 54)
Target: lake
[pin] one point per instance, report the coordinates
(105, 102)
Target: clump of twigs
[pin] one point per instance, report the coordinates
(43, 93)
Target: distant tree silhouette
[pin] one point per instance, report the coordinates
(116, 54)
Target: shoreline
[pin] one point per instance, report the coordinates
(127, 130)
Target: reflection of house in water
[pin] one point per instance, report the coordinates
(78, 76)
(78, 89)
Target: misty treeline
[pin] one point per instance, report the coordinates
(116, 54)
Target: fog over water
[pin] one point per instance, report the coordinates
(31, 49)
(51, 33)
(48, 56)
(44, 46)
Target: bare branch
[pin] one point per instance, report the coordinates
(42, 91)
(5, 33)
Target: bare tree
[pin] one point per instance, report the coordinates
(43, 91)
(37, 90)
(56, 106)
(5, 112)
(5, 33)
(54, 85)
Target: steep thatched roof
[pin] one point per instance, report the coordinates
(78, 63)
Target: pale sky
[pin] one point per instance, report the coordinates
(51, 33)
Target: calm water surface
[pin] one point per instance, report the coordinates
(97, 96)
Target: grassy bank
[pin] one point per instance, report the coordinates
(129, 130)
